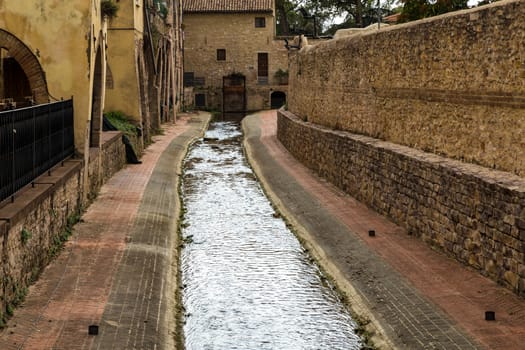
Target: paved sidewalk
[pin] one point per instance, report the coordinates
(414, 297)
(119, 269)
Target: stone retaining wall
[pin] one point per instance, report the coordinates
(34, 226)
(472, 213)
(452, 85)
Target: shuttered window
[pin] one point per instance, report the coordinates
(221, 54)
(260, 22)
(262, 68)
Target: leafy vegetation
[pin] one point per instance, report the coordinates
(301, 16)
(121, 122)
(417, 9)
(25, 235)
(108, 8)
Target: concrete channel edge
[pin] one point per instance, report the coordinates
(364, 316)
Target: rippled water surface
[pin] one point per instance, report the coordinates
(248, 282)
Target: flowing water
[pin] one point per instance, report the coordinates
(248, 283)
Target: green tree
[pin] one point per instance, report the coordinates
(285, 16)
(297, 16)
(417, 9)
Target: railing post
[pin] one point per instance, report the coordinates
(34, 142)
(48, 138)
(62, 132)
(13, 162)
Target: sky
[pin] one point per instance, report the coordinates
(340, 19)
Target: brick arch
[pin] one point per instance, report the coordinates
(29, 63)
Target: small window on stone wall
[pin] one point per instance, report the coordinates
(221, 54)
(200, 100)
(260, 22)
(188, 78)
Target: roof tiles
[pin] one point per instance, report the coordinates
(230, 6)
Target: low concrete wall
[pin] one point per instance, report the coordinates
(474, 214)
(34, 226)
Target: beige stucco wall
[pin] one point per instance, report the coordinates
(205, 33)
(64, 36)
(125, 34)
(124, 96)
(452, 85)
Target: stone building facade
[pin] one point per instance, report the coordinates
(231, 55)
(424, 123)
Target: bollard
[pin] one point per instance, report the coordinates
(490, 316)
(372, 233)
(93, 329)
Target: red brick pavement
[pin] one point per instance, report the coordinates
(462, 293)
(72, 292)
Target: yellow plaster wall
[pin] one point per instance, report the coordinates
(205, 33)
(124, 96)
(125, 33)
(62, 34)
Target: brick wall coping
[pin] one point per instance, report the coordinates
(110, 137)
(30, 196)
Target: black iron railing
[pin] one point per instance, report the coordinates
(32, 140)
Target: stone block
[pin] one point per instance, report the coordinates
(512, 279)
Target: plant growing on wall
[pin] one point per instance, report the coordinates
(25, 235)
(281, 76)
(108, 8)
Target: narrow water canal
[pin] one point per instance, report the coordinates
(248, 282)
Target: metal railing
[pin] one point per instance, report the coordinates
(32, 140)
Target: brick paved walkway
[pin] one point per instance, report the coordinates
(118, 270)
(416, 297)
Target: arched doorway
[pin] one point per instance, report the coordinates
(277, 99)
(96, 105)
(23, 78)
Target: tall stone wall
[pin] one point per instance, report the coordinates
(452, 85)
(474, 214)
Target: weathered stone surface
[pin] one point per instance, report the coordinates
(32, 227)
(235, 33)
(452, 85)
(473, 227)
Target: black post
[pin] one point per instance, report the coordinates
(34, 141)
(13, 171)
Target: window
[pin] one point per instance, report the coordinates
(221, 54)
(260, 22)
(200, 100)
(262, 67)
(188, 78)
